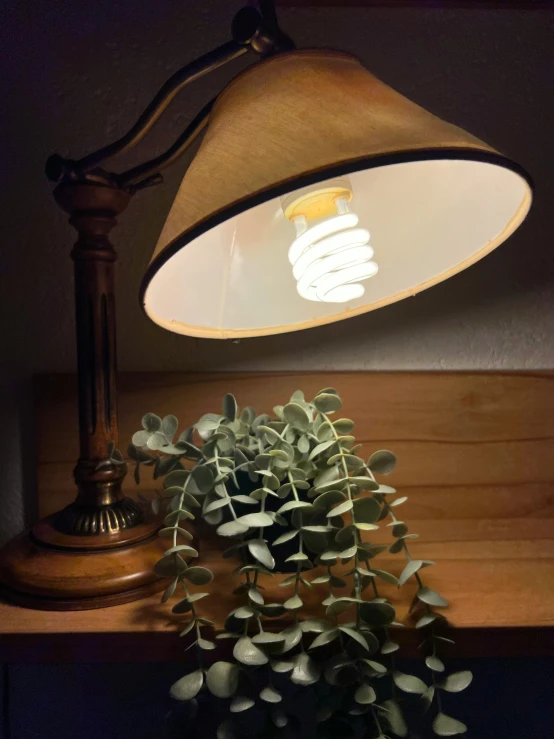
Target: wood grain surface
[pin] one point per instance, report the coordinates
(475, 456)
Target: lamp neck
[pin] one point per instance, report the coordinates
(93, 209)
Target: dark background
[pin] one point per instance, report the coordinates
(76, 74)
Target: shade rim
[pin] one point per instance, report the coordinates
(310, 178)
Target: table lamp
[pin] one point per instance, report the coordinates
(318, 193)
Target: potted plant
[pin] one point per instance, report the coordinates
(296, 480)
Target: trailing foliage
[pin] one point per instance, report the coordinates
(299, 471)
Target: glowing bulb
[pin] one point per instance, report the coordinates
(331, 258)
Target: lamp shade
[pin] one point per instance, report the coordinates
(291, 139)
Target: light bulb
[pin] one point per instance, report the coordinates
(331, 258)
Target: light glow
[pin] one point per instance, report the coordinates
(331, 258)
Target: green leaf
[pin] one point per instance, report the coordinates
(296, 416)
(339, 605)
(282, 666)
(356, 635)
(382, 462)
(398, 501)
(377, 614)
(219, 503)
(203, 478)
(169, 427)
(364, 483)
(222, 679)
(259, 550)
(325, 638)
(230, 408)
(325, 432)
(248, 415)
(140, 439)
(341, 509)
(279, 719)
(399, 529)
(255, 596)
(268, 637)
(327, 403)
(396, 546)
(271, 695)
(427, 698)
(375, 667)
(188, 686)
(185, 605)
(297, 557)
(366, 526)
(168, 532)
(198, 575)
(409, 683)
(457, 682)
(177, 478)
(326, 500)
(225, 731)
(255, 520)
(321, 579)
(411, 568)
(294, 603)
(329, 555)
(348, 553)
(287, 536)
(232, 528)
(303, 444)
(305, 671)
(365, 695)
(183, 549)
(386, 576)
(151, 422)
(293, 635)
(188, 628)
(292, 504)
(170, 566)
(434, 663)
(431, 597)
(170, 590)
(248, 653)
(240, 703)
(351, 460)
(205, 644)
(246, 499)
(426, 620)
(156, 441)
(322, 447)
(343, 425)
(389, 647)
(444, 725)
(395, 718)
(243, 612)
(366, 510)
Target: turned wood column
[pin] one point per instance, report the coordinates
(100, 506)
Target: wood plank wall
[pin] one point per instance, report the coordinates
(475, 456)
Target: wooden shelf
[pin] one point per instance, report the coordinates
(475, 459)
(501, 594)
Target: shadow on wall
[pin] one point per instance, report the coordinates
(509, 699)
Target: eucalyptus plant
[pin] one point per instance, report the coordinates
(299, 471)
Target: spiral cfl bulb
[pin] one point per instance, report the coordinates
(332, 257)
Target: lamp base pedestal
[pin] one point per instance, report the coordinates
(48, 570)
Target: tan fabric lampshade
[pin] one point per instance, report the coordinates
(434, 198)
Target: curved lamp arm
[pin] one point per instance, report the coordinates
(251, 30)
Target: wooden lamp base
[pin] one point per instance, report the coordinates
(49, 570)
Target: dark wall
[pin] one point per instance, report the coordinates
(508, 699)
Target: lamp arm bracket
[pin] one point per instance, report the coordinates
(252, 30)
